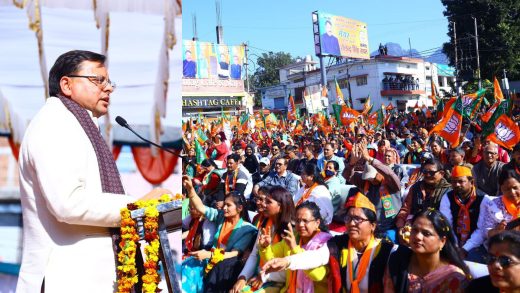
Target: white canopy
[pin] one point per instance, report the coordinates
(137, 33)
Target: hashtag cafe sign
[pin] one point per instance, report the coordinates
(206, 102)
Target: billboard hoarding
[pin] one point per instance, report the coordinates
(340, 36)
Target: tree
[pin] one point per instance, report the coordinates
(498, 24)
(267, 71)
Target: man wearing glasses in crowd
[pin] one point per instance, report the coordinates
(280, 177)
(70, 188)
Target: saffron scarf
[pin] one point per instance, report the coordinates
(511, 207)
(463, 220)
(363, 264)
(306, 194)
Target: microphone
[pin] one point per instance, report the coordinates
(121, 121)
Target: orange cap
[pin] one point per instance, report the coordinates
(360, 201)
(459, 171)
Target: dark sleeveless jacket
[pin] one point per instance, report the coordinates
(376, 270)
(398, 268)
(474, 210)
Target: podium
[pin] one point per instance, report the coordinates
(170, 220)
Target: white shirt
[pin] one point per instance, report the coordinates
(480, 234)
(321, 196)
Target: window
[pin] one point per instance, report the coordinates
(427, 67)
(428, 78)
(441, 81)
(361, 80)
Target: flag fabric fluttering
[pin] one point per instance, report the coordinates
(449, 127)
(505, 132)
(434, 94)
(291, 109)
(340, 100)
(367, 107)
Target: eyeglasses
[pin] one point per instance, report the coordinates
(503, 260)
(304, 221)
(97, 79)
(357, 220)
(430, 172)
(490, 153)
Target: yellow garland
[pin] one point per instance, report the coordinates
(217, 255)
(127, 271)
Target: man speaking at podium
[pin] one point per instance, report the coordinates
(70, 187)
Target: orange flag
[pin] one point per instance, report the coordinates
(434, 94)
(291, 109)
(348, 115)
(449, 127)
(497, 90)
(507, 133)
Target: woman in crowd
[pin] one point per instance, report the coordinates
(432, 262)
(210, 181)
(250, 160)
(356, 259)
(439, 152)
(216, 269)
(311, 235)
(503, 265)
(279, 209)
(502, 209)
(259, 199)
(315, 190)
(198, 233)
(220, 148)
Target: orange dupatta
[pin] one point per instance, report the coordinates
(306, 194)
(511, 207)
(362, 265)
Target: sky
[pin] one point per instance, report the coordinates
(286, 25)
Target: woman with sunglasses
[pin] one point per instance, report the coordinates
(215, 270)
(279, 213)
(356, 260)
(503, 264)
(432, 262)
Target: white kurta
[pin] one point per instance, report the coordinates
(321, 196)
(65, 213)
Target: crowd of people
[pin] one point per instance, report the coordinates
(353, 210)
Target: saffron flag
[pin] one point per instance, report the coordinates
(244, 122)
(506, 133)
(339, 94)
(367, 107)
(434, 94)
(291, 109)
(497, 93)
(348, 115)
(449, 127)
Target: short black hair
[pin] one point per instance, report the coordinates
(67, 64)
(511, 237)
(234, 157)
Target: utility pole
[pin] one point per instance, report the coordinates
(246, 50)
(478, 59)
(457, 88)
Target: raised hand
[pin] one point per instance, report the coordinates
(264, 239)
(186, 182)
(289, 238)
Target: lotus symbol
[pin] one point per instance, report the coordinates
(452, 125)
(503, 132)
(348, 115)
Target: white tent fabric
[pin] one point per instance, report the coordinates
(134, 46)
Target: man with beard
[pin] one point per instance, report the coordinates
(426, 193)
(462, 207)
(263, 170)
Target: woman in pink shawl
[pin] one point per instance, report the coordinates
(382, 147)
(311, 235)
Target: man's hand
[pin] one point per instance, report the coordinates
(156, 193)
(275, 265)
(239, 285)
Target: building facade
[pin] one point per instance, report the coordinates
(402, 81)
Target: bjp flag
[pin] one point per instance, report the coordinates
(348, 115)
(449, 127)
(291, 109)
(507, 133)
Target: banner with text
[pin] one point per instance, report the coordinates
(341, 36)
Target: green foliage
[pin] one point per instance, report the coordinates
(498, 23)
(267, 71)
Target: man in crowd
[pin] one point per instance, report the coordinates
(328, 155)
(263, 170)
(486, 171)
(280, 177)
(462, 207)
(234, 179)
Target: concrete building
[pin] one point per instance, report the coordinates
(402, 81)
